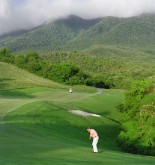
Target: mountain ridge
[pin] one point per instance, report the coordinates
(75, 33)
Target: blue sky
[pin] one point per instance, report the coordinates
(17, 3)
(25, 14)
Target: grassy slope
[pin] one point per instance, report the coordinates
(13, 77)
(39, 130)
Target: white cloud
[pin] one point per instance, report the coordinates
(31, 13)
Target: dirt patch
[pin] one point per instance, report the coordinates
(82, 113)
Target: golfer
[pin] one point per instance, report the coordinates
(94, 135)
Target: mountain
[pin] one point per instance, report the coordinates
(75, 33)
(51, 34)
(135, 32)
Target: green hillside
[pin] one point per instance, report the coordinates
(12, 77)
(113, 65)
(116, 68)
(95, 34)
(49, 35)
(76, 33)
(36, 127)
(134, 32)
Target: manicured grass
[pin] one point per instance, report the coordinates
(39, 129)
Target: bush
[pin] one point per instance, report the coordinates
(138, 113)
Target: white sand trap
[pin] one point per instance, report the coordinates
(82, 113)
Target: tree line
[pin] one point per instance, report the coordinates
(63, 73)
(118, 72)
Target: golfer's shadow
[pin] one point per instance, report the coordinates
(101, 151)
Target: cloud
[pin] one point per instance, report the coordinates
(17, 14)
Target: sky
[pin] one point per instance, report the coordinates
(25, 14)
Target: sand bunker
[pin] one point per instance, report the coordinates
(82, 113)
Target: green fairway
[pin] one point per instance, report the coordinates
(37, 129)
